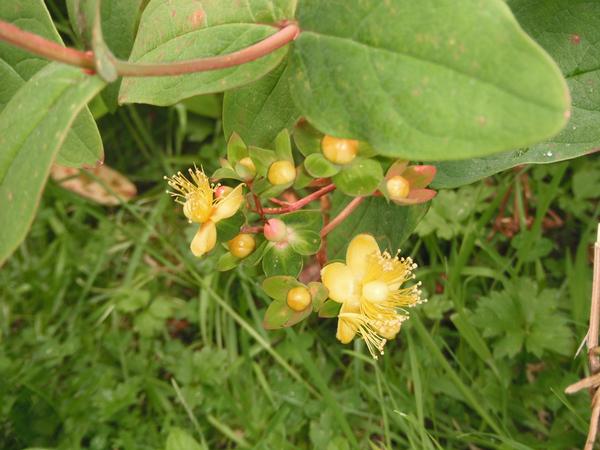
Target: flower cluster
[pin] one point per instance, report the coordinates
(370, 293)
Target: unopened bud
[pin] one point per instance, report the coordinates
(246, 168)
(275, 230)
(281, 172)
(242, 245)
(299, 298)
(222, 191)
(397, 187)
(339, 151)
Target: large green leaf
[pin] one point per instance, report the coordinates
(436, 79)
(33, 125)
(391, 225)
(261, 109)
(569, 30)
(83, 145)
(119, 19)
(451, 174)
(187, 29)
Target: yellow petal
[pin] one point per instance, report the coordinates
(357, 254)
(346, 329)
(338, 278)
(228, 205)
(205, 239)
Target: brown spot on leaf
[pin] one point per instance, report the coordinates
(197, 18)
(575, 39)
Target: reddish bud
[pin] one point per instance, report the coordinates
(275, 230)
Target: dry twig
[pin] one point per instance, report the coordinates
(593, 380)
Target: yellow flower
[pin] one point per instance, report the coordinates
(201, 205)
(369, 288)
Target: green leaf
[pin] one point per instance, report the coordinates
(32, 128)
(83, 145)
(307, 138)
(391, 225)
(568, 30)
(179, 439)
(305, 242)
(329, 309)
(119, 19)
(227, 262)
(450, 210)
(472, 337)
(278, 287)
(272, 190)
(282, 261)
(523, 317)
(229, 228)
(303, 179)
(360, 177)
(307, 219)
(205, 105)
(255, 257)
(262, 159)
(188, 29)
(320, 167)
(419, 81)
(236, 149)
(283, 146)
(280, 315)
(261, 109)
(318, 293)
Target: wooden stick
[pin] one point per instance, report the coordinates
(592, 339)
(592, 345)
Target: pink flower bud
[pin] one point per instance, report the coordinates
(275, 230)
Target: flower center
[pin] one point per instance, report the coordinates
(375, 291)
(198, 206)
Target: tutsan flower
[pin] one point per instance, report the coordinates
(369, 287)
(205, 204)
(407, 185)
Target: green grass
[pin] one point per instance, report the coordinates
(112, 334)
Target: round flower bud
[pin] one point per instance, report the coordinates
(397, 187)
(339, 151)
(242, 245)
(275, 230)
(281, 172)
(298, 298)
(222, 191)
(246, 168)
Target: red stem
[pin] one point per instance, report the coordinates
(343, 215)
(248, 229)
(302, 202)
(40, 46)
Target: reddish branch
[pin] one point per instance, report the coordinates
(40, 46)
(249, 229)
(343, 215)
(302, 202)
